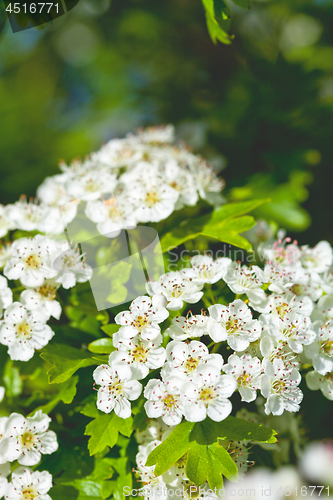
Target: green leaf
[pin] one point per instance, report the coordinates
(104, 431)
(206, 459)
(96, 484)
(90, 409)
(124, 479)
(209, 462)
(67, 391)
(110, 329)
(224, 223)
(101, 346)
(284, 207)
(12, 380)
(217, 19)
(65, 361)
(238, 429)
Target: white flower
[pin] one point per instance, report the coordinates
(117, 388)
(2, 394)
(279, 386)
(152, 485)
(70, 266)
(162, 134)
(6, 295)
(6, 224)
(315, 381)
(317, 259)
(28, 216)
(207, 393)
(23, 332)
(176, 476)
(43, 298)
(284, 304)
(185, 358)
(246, 371)
(5, 254)
(154, 198)
(27, 484)
(278, 279)
(91, 185)
(141, 355)
(241, 279)
(155, 430)
(324, 309)
(207, 270)
(208, 183)
(177, 289)
(3, 421)
(53, 190)
(234, 324)
(193, 326)
(112, 215)
(306, 284)
(326, 282)
(271, 349)
(165, 399)
(181, 180)
(283, 254)
(142, 319)
(31, 260)
(117, 153)
(321, 349)
(26, 439)
(293, 328)
(4, 473)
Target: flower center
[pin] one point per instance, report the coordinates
(244, 379)
(191, 364)
(140, 354)
(169, 401)
(327, 347)
(116, 389)
(152, 198)
(32, 261)
(278, 385)
(232, 325)
(47, 291)
(29, 494)
(282, 309)
(28, 440)
(23, 329)
(140, 322)
(298, 289)
(207, 394)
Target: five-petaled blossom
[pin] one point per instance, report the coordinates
(26, 439)
(27, 484)
(117, 389)
(23, 331)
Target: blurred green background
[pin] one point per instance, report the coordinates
(261, 107)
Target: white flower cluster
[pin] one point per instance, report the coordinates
(292, 301)
(42, 265)
(141, 178)
(25, 440)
